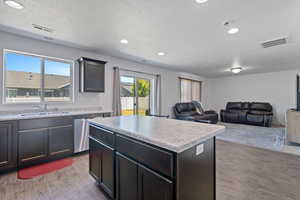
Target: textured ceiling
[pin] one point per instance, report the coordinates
(192, 35)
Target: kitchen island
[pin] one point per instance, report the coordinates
(137, 157)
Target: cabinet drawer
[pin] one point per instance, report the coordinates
(27, 124)
(103, 135)
(152, 157)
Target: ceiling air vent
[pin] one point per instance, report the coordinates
(275, 42)
(42, 28)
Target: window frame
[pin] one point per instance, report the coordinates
(42, 97)
(191, 80)
(142, 75)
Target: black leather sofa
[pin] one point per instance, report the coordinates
(252, 113)
(188, 111)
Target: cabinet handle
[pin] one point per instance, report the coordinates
(32, 158)
(3, 163)
(58, 152)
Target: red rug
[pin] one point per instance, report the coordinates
(38, 170)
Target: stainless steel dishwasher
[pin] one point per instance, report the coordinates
(81, 135)
(81, 131)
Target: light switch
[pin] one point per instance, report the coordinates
(199, 149)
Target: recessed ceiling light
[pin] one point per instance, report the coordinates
(161, 53)
(236, 70)
(124, 41)
(14, 4)
(233, 30)
(201, 1)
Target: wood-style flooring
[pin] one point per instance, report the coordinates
(70, 183)
(243, 173)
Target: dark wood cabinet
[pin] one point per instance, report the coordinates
(102, 165)
(153, 157)
(92, 75)
(126, 178)
(135, 181)
(144, 171)
(95, 159)
(32, 145)
(61, 140)
(107, 177)
(154, 186)
(7, 145)
(41, 140)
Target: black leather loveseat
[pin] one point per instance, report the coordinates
(254, 113)
(188, 111)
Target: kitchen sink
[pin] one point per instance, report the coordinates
(41, 114)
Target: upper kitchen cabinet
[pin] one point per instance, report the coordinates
(92, 75)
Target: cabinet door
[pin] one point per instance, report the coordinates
(107, 165)
(94, 76)
(61, 140)
(33, 145)
(6, 144)
(95, 159)
(127, 178)
(153, 186)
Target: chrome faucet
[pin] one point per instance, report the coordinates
(45, 107)
(40, 107)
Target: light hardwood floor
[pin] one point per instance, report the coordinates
(243, 173)
(71, 183)
(248, 173)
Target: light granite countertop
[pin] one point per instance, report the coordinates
(174, 135)
(7, 116)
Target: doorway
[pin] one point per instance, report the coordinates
(135, 95)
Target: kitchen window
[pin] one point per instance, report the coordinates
(30, 78)
(190, 90)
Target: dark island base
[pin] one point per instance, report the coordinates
(128, 169)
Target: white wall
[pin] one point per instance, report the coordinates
(278, 88)
(170, 81)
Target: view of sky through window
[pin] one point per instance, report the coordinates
(25, 63)
(35, 79)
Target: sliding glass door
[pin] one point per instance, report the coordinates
(135, 95)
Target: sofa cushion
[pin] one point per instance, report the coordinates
(255, 118)
(246, 105)
(185, 107)
(243, 116)
(234, 106)
(261, 106)
(231, 117)
(258, 112)
(211, 117)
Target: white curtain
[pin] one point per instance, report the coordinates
(117, 109)
(157, 95)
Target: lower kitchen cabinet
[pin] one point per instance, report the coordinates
(61, 140)
(95, 159)
(144, 171)
(102, 165)
(154, 186)
(134, 181)
(126, 178)
(7, 145)
(32, 146)
(42, 140)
